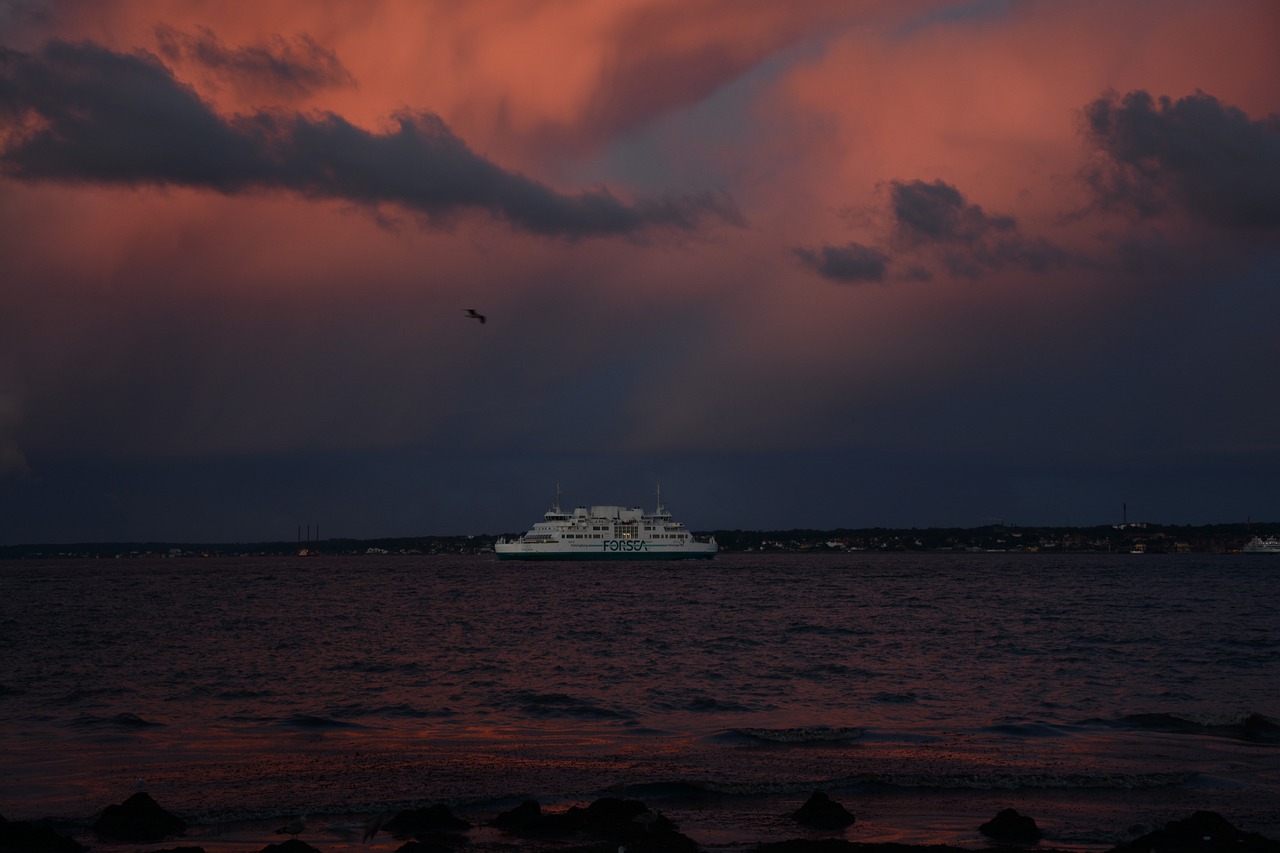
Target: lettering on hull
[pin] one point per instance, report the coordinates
(624, 545)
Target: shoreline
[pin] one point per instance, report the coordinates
(608, 824)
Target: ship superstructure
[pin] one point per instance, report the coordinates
(606, 532)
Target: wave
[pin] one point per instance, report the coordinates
(563, 705)
(244, 694)
(825, 630)
(821, 671)
(989, 780)
(123, 720)
(1027, 730)
(886, 698)
(712, 705)
(312, 722)
(1244, 726)
(401, 710)
(1003, 780)
(802, 734)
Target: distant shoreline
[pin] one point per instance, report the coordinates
(1098, 539)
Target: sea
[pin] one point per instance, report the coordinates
(1102, 695)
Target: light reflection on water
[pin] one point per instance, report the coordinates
(268, 686)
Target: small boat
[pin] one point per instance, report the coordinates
(1258, 545)
(606, 533)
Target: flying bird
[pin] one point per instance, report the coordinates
(471, 312)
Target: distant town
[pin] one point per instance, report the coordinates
(1128, 538)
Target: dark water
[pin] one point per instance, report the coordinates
(924, 692)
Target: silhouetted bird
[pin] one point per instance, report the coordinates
(473, 313)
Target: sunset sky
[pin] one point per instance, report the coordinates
(831, 263)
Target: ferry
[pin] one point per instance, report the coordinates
(606, 533)
(1258, 545)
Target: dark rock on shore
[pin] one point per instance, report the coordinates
(435, 818)
(1203, 832)
(611, 815)
(657, 842)
(1009, 827)
(840, 845)
(293, 845)
(138, 818)
(608, 816)
(625, 823)
(432, 843)
(822, 812)
(520, 819)
(19, 835)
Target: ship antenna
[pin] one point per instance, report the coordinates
(659, 512)
(557, 498)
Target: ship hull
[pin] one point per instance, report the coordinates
(615, 549)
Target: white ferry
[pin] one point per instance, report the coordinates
(1258, 545)
(606, 533)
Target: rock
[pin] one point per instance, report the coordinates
(138, 818)
(612, 816)
(567, 822)
(433, 844)
(841, 845)
(1203, 832)
(822, 812)
(528, 819)
(19, 835)
(610, 812)
(524, 816)
(661, 841)
(293, 845)
(436, 818)
(1009, 827)
(609, 817)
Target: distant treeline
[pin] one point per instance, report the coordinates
(1127, 538)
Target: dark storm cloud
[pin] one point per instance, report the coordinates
(938, 212)
(933, 222)
(1196, 152)
(935, 217)
(81, 112)
(289, 68)
(849, 264)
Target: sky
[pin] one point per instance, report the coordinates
(841, 263)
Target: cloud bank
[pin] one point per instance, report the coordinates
(83, 113)
(933, 223)
(851, 264)
(1196, 153)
